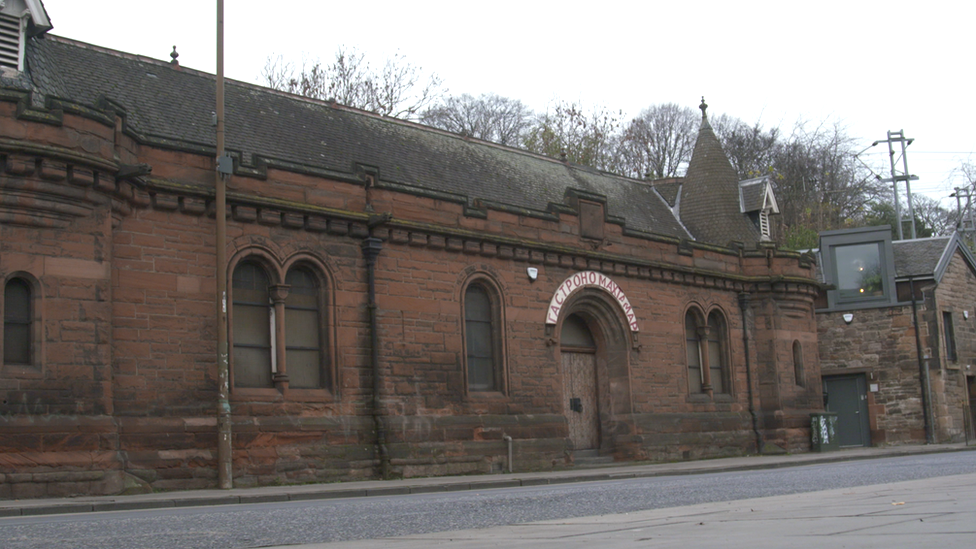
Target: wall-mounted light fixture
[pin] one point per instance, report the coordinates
(965, 314)
(533, 273)
(848, 317)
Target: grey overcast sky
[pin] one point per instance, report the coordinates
(873, 66)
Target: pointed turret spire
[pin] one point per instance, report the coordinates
(710, 194)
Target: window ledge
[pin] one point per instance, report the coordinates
(485, 395)
(23, 371)
(249, 394)
(309, 395)
(861, 305)
(271, 394)
(702, 398)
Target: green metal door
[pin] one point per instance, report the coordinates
(846, 396)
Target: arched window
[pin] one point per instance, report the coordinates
(481, 340)
(18, 320)
(252, 327)
(303, 334)
(717, 360)
(693, 350)
(707, 357)
(798, 363)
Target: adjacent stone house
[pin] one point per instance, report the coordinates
(896, 332)
(520, 301)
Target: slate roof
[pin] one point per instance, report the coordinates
(176, 104)
(918, 257)
(926, 257)
(709, 202)
(752, 195)
(669, 189)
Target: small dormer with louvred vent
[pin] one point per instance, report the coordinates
(19, 21)
(756, 199)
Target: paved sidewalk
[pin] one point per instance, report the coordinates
(446, 484)
(935, 512)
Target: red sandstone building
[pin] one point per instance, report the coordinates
(521, 302)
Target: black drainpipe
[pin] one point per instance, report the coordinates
(923, 370)
(371, 250)
(744, 305)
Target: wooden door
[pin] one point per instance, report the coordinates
(580, 399)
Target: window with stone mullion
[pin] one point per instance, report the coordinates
(693, 349)
(251, 326)
(716, 354)
(303, 352)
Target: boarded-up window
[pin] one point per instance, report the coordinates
(252, 326)
(303, 351)
(17, 322)
(480, 340)
(591, 220)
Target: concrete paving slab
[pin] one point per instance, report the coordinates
(937, 512)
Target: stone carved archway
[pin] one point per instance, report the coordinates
(604, 317)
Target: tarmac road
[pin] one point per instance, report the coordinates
(937, 512)
(535, 508)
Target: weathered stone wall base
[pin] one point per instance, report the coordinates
(789, 430)
(58, 456)
(180, 453)
(60, 484)
(670, 437)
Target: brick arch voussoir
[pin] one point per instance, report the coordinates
(322, 267)
(699, 311)
(263, 255)
(599, 310)
(481, 273)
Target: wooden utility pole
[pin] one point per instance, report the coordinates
(225, 475)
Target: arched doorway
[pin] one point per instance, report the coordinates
(580, 383)
(597, 331)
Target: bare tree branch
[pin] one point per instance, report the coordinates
(400, 89)
(658, 143)
(489, 117)
(587, 138)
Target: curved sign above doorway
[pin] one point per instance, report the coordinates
(590, 279)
